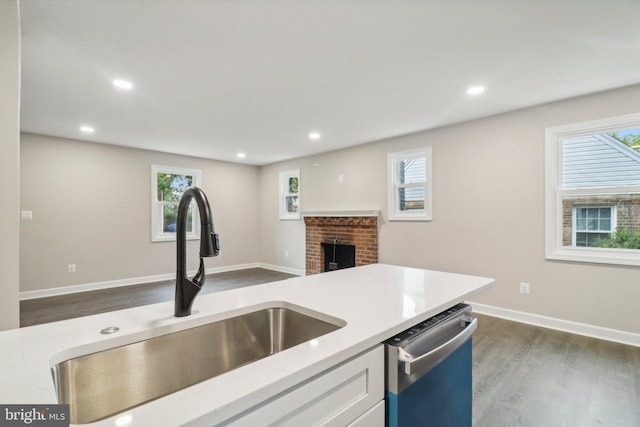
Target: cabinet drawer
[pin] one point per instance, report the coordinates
(335, 398)
(374, 417)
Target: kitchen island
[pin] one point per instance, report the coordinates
(373, 303)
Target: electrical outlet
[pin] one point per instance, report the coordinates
(524, 288)
(286, 254)
(71, 268)
(27, 215)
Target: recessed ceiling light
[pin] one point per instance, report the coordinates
(314, 136)
(87, 129)
(241, 155)
(475, 90)
(123, 84)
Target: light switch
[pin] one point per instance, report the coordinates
(27, 215)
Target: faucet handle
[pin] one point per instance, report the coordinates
(209, 244)
(216, 243)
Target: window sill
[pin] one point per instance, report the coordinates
(290, 218)
(173, 238)
(628, 257)
(410, 218)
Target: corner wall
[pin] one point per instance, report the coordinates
(9, 163)
(488, 216)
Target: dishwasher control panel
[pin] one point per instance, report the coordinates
(432, 322)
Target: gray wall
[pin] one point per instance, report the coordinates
(488, 216)
(9, 163)
(91, 207)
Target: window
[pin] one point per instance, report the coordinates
(592, 191)
(591, 224)
(409, 187)
(167, 186)
(290, 194)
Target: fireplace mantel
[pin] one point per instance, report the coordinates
(341, 213)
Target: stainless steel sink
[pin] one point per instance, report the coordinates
(102, 384)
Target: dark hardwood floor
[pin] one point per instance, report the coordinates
(523, 375)
(61, 307)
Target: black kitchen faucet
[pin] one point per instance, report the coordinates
(186, 290)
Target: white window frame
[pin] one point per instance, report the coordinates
(574, 220)
(393, 186)
(283, 179)
(554, 193)
(157, 232)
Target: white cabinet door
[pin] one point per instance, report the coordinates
(334, 398)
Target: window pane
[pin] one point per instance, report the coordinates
(588, 239)
(595, 219)
(292, 204)
(411, 199)
(171, 186)
(170, 215)
(601, 160)
(412, 171)
(293, 185)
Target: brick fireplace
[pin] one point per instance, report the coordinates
(358, 228)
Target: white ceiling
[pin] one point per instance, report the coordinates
(216, 77)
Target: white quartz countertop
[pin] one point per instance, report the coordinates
(375, 301)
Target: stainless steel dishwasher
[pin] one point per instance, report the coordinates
(429, 372)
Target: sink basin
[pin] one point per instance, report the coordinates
(102, 384)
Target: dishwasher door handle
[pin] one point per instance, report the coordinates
(423, 363)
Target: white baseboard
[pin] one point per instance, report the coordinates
(599, 332)
(282, 269)
(27, 295)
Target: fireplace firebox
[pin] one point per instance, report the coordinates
(338, 256)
